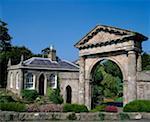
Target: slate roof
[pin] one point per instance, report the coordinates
(38, 62)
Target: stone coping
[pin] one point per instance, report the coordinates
(96, 116)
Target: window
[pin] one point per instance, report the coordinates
(53, 81)
(17, 80)
(11, 80)
(29, 81)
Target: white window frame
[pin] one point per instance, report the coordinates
(55, 87)
(30, 82)
(11, 80)
(17, 80)
(55, 81)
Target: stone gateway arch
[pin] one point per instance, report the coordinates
(120, 46)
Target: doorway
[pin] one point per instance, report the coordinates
(41, 85)
(68, 94)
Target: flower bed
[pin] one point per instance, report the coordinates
(45, 108)
(111, 109)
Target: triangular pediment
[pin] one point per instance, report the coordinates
(104, 34)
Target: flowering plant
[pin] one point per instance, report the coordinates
(111, 109)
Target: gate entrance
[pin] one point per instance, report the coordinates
(120, 46)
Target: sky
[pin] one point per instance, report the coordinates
(37, 24)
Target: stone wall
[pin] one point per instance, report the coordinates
(69, 79)
(14, 73)
(99, 116)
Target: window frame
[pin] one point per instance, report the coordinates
(29, 84)
(53, 81)
(11, 80)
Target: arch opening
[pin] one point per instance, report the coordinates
(41, 84)
(68, 94)
(107, 83)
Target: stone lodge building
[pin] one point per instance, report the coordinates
(40, 73)
(123, 47)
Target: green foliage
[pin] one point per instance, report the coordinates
(119, 99)
(12, 106)
(107, 85)
(5, 45)
(14, 53)
(75, 108)
(4, 37)
(112, 68)
(29, 95)
(98, 108)
(137, 106)
(146, 61)
(72, 116)
(55, 97)
(6, 98)
(54, 94)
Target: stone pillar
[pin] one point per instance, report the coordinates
(21, 81)
(139, 62)
(125, 92)
(88, 93)
(81, 80)
(132, 89)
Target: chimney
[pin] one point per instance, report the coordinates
(52, 53)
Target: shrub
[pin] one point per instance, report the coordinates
(12, 106)
(55, 97)
(6, 98)
(98, 108)
(54, 94)
(111, 109)
(137, 106)
(75, 108)
(29, 95)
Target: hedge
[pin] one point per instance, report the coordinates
(74, 108)
(13, 106)
(29, 95)
(6, 98)
(137, 106)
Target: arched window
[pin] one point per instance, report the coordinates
(17, 80)
(29, 81)
(53, 81)
(11, 80)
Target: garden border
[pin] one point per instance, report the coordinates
(96, 116)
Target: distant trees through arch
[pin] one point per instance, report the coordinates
(107, 83)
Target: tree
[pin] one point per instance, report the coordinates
(4, 37)
(15, 55)
(106, 84)
(110, 67)
(45, 51)
(5, 45)
(146, 61)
